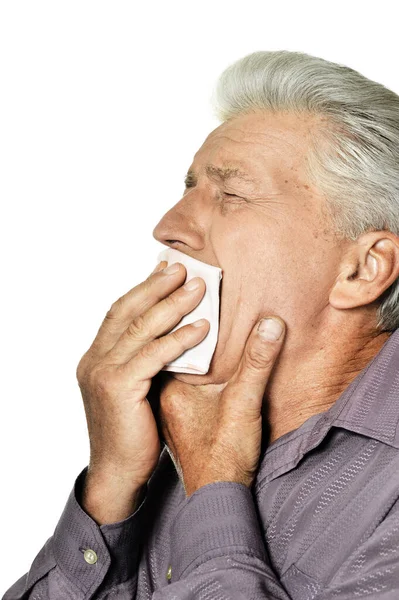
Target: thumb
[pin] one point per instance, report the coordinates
(247, 386)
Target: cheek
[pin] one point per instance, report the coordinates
(274, 268)
(247, 240)
(236, 233)
(303, 270)
(248, 258)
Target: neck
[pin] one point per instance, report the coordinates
(311, 376)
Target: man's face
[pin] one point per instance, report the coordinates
(268, 232)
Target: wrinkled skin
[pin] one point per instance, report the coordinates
(274, 241)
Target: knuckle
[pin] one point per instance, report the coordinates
(149, 350)
(258, 359)
(81, 369)
(138, 328)
(171, 301)
(83, 366)
(180, 338)
(112, 313)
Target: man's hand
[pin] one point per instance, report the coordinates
(115, 375)
(215, 431)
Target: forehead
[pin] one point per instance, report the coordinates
(256, 140)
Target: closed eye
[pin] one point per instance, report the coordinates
(233, 196)
(190, 183)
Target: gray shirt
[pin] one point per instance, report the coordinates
(321, 520)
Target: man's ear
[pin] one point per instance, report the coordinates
(368, 268)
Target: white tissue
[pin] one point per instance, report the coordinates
(196, 360)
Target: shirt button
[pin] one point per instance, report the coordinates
(169, 573)
(90, 556)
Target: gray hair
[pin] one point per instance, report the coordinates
(353, 158)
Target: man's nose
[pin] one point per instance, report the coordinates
(183, 227)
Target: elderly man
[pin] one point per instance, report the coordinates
(276, 474)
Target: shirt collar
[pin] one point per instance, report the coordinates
(371, 406)
(368, 406)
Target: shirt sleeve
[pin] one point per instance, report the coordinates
(83, 560)
(218, 550)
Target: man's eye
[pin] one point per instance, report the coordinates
(189, 183)
(233, 196)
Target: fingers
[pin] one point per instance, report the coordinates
(156, 322)
(160, 266)
(132, 304)
(156, 354)
(245, 390)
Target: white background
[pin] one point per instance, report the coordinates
(102, 107)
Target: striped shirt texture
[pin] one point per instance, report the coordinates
(321, 520)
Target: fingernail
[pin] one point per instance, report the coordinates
(270, 329)
(172, 269)
(157, 268)
(199, 323)
(192, 285)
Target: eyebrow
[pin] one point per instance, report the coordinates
(224, 173)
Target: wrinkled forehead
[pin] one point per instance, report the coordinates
(257, 140)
